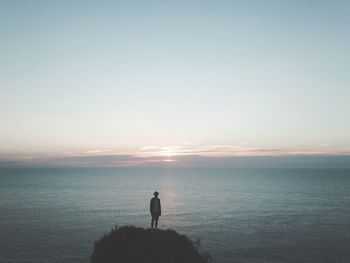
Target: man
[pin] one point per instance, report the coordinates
(155, 210)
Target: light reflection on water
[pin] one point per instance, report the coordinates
(269, 215)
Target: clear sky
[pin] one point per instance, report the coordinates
(172, 78)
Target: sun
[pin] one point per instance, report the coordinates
(169, 160)
(168, 152)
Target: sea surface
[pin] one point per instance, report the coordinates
(239, 215)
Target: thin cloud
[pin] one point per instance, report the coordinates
(169, 155)
(325, 144)
(99, 151)
(149, 147)
(221, 150)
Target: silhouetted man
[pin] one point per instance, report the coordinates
(156, 210)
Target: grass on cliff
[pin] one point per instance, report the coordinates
(129, 244)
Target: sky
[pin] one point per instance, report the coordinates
(169, 79)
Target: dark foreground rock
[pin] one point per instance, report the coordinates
(131, 244)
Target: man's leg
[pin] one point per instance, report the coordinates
(157, 217)
(152, 222)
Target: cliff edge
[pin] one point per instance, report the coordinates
(129, 244)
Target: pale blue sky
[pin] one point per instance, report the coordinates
(78, 76)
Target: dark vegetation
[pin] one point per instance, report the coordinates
(129, 244)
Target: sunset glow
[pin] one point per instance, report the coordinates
(216, 80)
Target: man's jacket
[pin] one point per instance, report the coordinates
(155, 206)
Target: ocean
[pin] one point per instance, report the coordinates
(239, 215)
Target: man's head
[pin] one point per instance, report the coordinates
(156, 194)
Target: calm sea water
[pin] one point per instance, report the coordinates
(240, 215)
